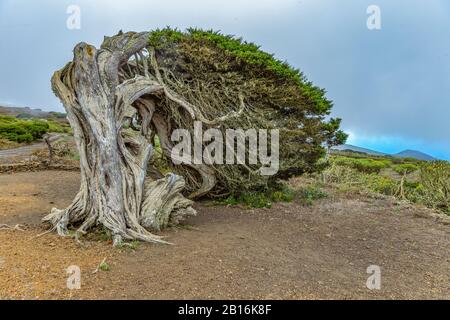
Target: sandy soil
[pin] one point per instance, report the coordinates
(289, 251)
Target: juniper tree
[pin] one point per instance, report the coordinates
(125, 99)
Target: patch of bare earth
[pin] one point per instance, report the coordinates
(287, 252)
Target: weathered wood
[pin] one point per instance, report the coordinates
(115, 191)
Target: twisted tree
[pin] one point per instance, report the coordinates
(125, 99)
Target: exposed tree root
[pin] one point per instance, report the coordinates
(18, 227)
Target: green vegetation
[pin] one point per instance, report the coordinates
(205, 65)
(434, 188)
(261, 199)
(363, 165)
(405, 168)
(431, 187)
(249, 53)
(104, 266)
(25, 131)
(306, 195)
(309, 194)
(347, 177)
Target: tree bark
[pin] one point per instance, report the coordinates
(50, 149)
(115, 191)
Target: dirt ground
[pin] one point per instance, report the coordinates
(287, 252)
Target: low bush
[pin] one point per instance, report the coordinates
(434, 189)
(349, 177)
(309, 194)
(366, 165)
(405, 168)
(22, 130)
(262, 199)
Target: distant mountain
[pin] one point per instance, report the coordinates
(26, 112)
(349, 147)
(414, 154)
(404, 154)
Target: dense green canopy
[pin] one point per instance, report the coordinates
(212, 71)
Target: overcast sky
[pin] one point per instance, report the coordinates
(390, 86)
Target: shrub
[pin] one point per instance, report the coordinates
(405, 168)
(434, 190)
(251, 200)
(308, 194)
(262, 199)
(54, 126)
(283, 195)
(350, 177)
(37, 128)
(363, 165)
(19, 130)
(27, 137)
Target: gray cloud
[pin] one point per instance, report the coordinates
(393, 83)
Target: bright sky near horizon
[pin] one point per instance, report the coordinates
(390, 86)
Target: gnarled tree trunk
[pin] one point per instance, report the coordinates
(139, 87)
(115, 191)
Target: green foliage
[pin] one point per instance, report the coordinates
(406, 160)
(104, 266)
(212, 71)
(434, 189)
(55, 127)
(308, 195)
(132, 245)
(57, 115)
(249, 53)
(250, 200)
(22, 130)
(283, 195)
(261, 199)
(18, 130)
(405, 168)
(380, 184)
(334, 136)
(347, 176)
(366, 165)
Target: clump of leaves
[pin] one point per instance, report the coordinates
(308, 195)
(104, 266)
(365, 165)
(405, 168)
(262, 199)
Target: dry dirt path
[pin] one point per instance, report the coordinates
(289, 251)
(25, 150)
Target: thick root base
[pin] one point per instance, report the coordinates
(163, 206)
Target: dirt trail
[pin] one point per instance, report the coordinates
(25, 150)
(289, 251)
